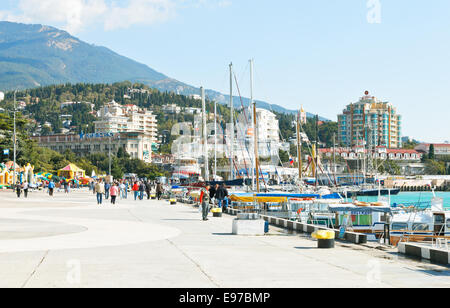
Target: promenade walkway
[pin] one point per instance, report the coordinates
(69, 241)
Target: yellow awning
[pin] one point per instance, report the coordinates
(248, 199)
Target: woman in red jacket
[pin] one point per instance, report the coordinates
(136, 190)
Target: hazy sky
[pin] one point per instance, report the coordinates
(322, 54)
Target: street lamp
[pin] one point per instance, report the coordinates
(14, 140)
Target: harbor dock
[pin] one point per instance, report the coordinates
(70, 241)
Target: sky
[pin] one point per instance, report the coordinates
(319, 54)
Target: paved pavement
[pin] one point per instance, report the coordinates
(69, 241)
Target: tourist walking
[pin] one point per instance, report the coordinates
(141, 190)
(51, 188)
(122, 189)
(18, 190)
(135, 190)
(159, 190)
(114, 191)
(100, 190)
(107, 188)
(148, 189)
(204, 201)
(25, 189)
(66, 186)
(221, 196)
(213, 191)
(127, 185)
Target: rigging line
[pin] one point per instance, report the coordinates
(240, 97)
(233, 161)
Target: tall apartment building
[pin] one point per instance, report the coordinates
(370, 122)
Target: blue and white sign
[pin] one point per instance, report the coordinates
(6, 152)
(96, 135)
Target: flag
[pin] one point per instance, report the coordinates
(291, 160)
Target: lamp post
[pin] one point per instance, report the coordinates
(14, 140)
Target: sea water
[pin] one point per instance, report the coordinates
(411, 197)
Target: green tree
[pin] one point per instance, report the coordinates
(431, 154)
(435, 167)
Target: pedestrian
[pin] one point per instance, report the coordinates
(114, 191)
(212, 191)
(51, 188)
(18, 190)
(127, 185)
(225, 199)
(100, 190)
(25, 189)
(148, 188)
(107, 188)
(204, 201)
(141, 190)
(135, 189)
(66, 186)
(122, 189)
(159, 190)
(221, 196)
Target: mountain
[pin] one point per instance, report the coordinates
(39, 55)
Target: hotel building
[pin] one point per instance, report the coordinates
(129, 127)
(370, 122)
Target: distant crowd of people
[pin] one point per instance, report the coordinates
(119, 189)
(50, 185)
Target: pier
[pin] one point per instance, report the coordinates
(70, 241)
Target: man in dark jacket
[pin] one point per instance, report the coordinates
(221, 195)
(148, 189)
(141, 190)
(159, 190)
(212, 191)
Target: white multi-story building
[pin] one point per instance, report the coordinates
(171, 109)
(267, 126)
(116, 118)
(2, 96)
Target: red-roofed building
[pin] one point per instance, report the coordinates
(379, 153)
(440, 149)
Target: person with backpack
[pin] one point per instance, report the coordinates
(141, 190)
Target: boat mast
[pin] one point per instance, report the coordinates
(299, 149)
(317, 150)
(255, 132)
(232, 124)
(215, 140)
(334, 159)
(205, 135)
(252, 169)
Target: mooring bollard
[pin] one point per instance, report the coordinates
(217, 212)
(325, 238)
